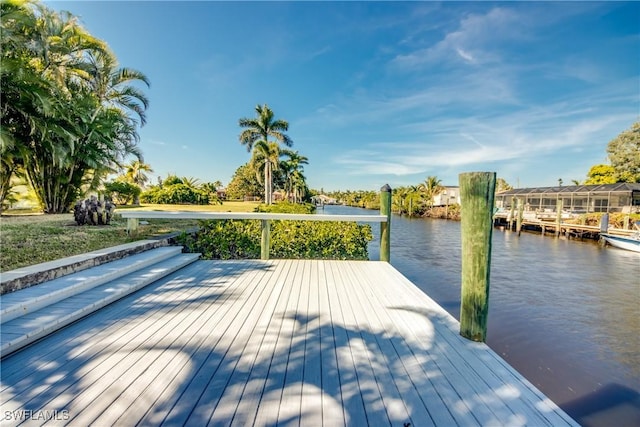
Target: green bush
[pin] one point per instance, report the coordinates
(240, 239)
(319, 240)
(121, 192)
(177, 194)
(287, 207)
(225, 239)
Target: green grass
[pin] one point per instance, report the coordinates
(31, 239)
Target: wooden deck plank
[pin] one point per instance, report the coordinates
(353, 402)
(273, 342)
(125, 369)
(392, 357)
(175, 350)
(391, 402)
(359, 387)
(56, 354)
(290, 402)
(66, 360)
(465, 395)
(332, 403)
(257, 382)
(246, 346)
(476, 363)
(420, 360)
(170, 397)
(312, 395)
(191, 407)
(267, 413)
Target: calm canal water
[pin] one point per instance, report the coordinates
(565, 314)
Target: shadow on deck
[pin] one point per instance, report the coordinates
(271, 343)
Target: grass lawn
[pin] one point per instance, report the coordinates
(28, 239)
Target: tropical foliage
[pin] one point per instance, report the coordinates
(244, 184)
(266, 153)
(601, 174)
(623, 153)
(181, 190)
(69, 114)
(122, 192)
(232, 239)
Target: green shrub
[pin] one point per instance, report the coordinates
(239, 239)
(319, 240)
(287, 207)
(121, 192)
(177, 194)
(225, 239)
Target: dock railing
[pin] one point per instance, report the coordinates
(265, 218)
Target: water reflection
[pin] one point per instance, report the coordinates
(564, 313)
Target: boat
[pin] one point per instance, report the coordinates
(630, 243)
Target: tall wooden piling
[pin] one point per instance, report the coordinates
(558, 216)
(385, 227)
(477, 190)
(520, 216)
(512, 213)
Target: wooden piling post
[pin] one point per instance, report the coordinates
(385, 227)
(520, 216)
(558, 216)
(604, 223)
(477, 190)
(265, 241)
(512, 213)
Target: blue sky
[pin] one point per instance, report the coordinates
(382, 92)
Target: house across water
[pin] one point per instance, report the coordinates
(576, 199)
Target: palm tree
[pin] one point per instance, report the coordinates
(60, 120)
(266, 159)
(258, 130)
(431, 187)
(135, 174)
(293, 168)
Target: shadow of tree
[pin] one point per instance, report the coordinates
(178, 353)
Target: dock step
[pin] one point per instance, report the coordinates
(27, 328)
(32, 299)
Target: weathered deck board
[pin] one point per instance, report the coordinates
(272, 343)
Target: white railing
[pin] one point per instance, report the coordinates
(265, 218)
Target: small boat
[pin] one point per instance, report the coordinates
(630, 243)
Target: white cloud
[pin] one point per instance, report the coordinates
(473, 41)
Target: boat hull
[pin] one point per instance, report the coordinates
(627, 243)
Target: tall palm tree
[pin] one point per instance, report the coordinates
(266, 159)
(259, 130)
(431, 187)
(298, 185)
(293, 168)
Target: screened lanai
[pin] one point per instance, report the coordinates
(576, 199)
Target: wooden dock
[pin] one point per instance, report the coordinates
(281, 342)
